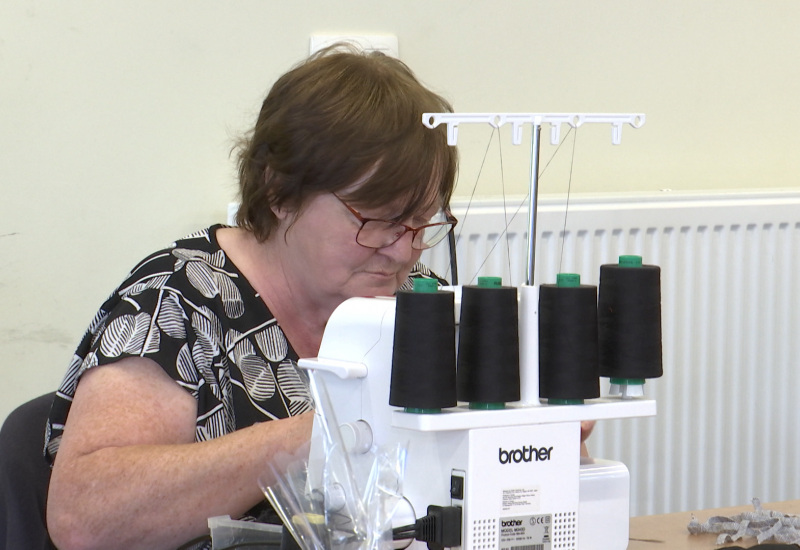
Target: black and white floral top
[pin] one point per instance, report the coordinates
(189, 309)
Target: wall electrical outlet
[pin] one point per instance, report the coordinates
(386, 43)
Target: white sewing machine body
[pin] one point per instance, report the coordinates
(516, 472)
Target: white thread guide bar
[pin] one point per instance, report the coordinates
(518, 120)
(535, 120)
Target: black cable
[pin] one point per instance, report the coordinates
(276, 544)
(405, 532)
(207, 538)
(440, 528)
(198, 540)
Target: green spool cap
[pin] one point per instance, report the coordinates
(415, 410)
(627, 381)
(568, 280)
(630, 261)
(426, 285)
(490, 282)
(481, 406)
(555, 401)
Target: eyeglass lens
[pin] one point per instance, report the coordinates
(378, 234)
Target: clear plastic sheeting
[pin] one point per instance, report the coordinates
(231, 533)
(335, 498)
(763, 525)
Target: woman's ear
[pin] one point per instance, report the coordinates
(280, 212)
(284, 213)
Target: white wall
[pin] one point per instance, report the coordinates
(117, 119)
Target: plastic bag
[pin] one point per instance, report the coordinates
(334, 500)
(227, 533)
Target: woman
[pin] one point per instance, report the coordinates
(172, 394)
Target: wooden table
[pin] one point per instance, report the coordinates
(669, 532)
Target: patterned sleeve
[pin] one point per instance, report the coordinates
(188, 309)
(421, 271)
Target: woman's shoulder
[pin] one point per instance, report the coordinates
(200, 245)
(193, 268)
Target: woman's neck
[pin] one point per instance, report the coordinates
(262, 265)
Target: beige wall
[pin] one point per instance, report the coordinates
(117, 118)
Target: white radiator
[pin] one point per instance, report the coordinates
(726, 429)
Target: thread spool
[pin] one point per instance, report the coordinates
(424, 356)
(629, 324)
(568, 360)
(488, 345)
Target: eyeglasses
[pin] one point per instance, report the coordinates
(375, 233)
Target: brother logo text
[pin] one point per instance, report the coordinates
(525, 454)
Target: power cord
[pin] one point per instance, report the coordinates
(193, 542)
(441, 528)
(767, 546)
(207, 538)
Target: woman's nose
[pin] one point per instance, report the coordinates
(401, 250)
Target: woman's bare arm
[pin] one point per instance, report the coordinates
(128, 473)
(586, 430)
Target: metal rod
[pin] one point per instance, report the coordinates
(534, 192)
(451, 243)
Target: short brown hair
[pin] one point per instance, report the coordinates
(337, 117)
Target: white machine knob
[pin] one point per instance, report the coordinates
(356, 436)
(335, 497)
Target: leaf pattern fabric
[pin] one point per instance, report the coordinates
(189, 309)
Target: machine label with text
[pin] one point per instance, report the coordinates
(521, 497)
(526, 532)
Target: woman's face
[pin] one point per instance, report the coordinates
(331, 265)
